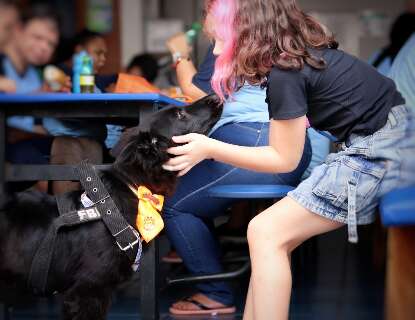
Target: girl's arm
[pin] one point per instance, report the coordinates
(286, 143)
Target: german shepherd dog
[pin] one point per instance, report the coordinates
(86, 264)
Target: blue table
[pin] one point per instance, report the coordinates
(108, 107)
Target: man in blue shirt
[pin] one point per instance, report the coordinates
(33, 42)
(8, 19)
(403, 72)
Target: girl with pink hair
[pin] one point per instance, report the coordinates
(276, 43)
(189, 213)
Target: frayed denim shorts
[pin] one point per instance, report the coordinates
(347, 187)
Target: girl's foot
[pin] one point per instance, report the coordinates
(172, 257)
(200, 304)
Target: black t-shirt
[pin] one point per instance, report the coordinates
(205, 72)
(348, 96)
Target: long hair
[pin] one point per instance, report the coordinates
(222, 13)
(267, 33)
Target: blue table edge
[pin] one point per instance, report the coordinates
(77, 97)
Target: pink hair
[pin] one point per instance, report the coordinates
(223, 13)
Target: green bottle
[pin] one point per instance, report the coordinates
(193, 32)
(87, 78)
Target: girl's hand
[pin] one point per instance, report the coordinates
(196, 148)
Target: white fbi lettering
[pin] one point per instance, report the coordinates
(88, 214)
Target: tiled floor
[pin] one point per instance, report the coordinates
(333, 280)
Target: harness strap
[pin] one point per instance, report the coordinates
(39, 269)
(126, 237)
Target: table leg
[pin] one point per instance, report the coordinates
(400, 283)
(2, 155)
(149, 282)
(3, 308)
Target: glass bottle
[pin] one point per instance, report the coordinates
(87, 78)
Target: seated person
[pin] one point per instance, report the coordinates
(403, 72)
(401, 30)
(79, 139)
(9, 18)
(32, 43)
(143, 65)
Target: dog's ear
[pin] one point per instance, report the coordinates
(141, 161)
(125, 137)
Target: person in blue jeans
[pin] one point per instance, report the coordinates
(189, 213)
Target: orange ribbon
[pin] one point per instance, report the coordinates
(149, 222)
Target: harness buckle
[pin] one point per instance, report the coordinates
(131, 244)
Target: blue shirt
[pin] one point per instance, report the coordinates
(403, 71)
(246, 105)
(385, 66)
(27, 82)
(205, 72)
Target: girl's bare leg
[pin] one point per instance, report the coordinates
(272, 236)
(249, 311)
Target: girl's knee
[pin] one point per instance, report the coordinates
(264, 233)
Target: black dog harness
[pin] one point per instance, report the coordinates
(126, 237)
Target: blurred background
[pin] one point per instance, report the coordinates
(135, 26)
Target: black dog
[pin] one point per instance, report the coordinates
(86, 264)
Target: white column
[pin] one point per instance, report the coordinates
(132, 29)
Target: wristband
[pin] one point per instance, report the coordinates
(177, 58)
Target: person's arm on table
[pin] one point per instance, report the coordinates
(7, 85)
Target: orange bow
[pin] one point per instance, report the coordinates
(149, 222)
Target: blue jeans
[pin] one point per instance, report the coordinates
(189, 213)
(348, 186)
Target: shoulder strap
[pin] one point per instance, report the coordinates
(126, 237)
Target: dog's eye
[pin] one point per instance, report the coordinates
(180, 114)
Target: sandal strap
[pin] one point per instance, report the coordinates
(197, 303)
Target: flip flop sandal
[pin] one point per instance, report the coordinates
(203, 309)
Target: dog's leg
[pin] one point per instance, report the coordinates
(86, 303)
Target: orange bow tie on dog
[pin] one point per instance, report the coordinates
(149, 222)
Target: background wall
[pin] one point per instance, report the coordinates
(344, 17)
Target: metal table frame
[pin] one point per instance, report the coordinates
(106, 106)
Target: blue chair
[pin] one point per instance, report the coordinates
(245, 191)
(241, 192)
(397, 208)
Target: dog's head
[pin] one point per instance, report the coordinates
(142, 150)
(141, 160)
(198, 117)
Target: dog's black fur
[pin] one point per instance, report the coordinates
(86, 264)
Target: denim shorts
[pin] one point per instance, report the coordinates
(347, 187)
